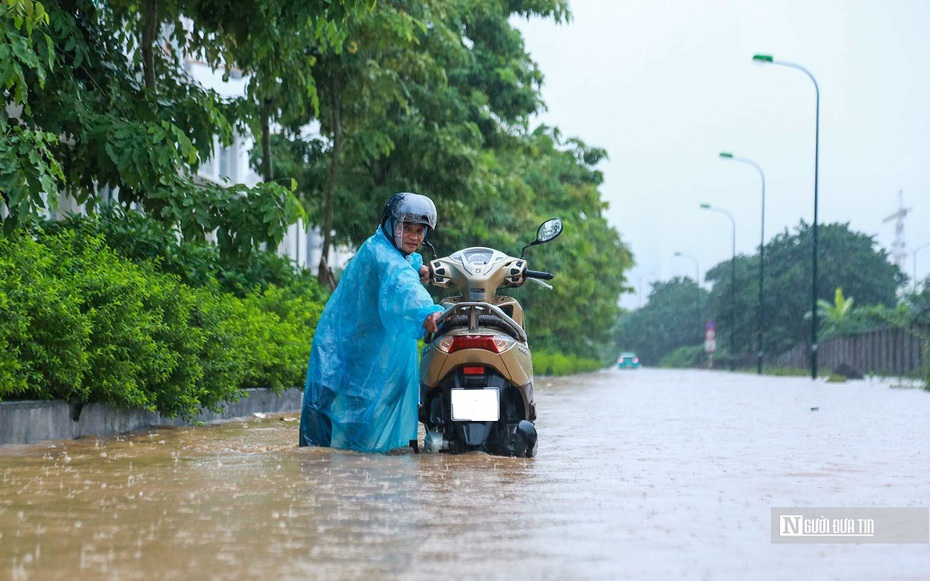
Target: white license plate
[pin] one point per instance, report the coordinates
(475, 405)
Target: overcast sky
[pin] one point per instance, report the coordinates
(666, 85)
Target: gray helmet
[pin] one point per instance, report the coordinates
(410, 208)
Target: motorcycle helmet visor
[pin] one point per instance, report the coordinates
(411, 208)
(407, 208)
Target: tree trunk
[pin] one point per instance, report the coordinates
(267, 171)
(330, 193)
(149, 40)
(5, 209)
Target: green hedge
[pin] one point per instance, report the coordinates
(143, 240)
(547, 362)
(84, 324)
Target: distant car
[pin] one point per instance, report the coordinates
(628, 361)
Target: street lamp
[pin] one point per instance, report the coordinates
(760, 351)
(697, 269)
(697, 278)
(767, 59)
(732, 282)
(915, 265)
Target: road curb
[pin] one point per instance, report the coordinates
(27, 422)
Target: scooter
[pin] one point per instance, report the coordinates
(476, 374)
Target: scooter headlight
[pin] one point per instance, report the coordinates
(494, 343)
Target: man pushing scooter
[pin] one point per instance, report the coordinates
(362, 378)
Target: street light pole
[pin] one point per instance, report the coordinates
(760, 350)
(915, 265)
(763, 58)
(697, 279)
(732, 283)
(697, 268)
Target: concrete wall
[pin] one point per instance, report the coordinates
(26, 422)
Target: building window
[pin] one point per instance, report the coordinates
(228, 159)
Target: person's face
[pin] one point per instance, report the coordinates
(413, 237)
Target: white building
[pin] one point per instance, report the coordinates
(230, 165)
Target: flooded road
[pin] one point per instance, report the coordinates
(641, 474)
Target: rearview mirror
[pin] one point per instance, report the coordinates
(549, 230)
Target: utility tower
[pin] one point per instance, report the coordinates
(899, 246)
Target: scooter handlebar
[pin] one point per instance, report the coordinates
(538, 274)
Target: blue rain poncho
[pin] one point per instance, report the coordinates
(362, 380)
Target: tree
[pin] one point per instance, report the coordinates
(919, 304)
(425, 95)
(435, 98)
(30, 174)
(360, 88)
(739, 309)
(838, 310)
(431, 96)
(132, 121)
(847, 259)
(673, 317)
(589, 259)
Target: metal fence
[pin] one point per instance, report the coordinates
(891, 351)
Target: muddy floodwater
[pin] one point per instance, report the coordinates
(641, 474)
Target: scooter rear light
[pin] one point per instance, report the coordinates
(495, 343)
(473, 370)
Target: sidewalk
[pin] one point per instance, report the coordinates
(27, 422)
